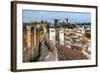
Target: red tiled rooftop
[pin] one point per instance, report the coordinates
(65, 53)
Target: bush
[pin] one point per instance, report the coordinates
(70, 26)
(34, 56)
(88, 35)
(57, 36)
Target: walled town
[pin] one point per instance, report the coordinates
(57, 41)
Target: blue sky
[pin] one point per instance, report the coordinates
(74, 17)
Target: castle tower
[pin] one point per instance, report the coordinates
(28, 36)
(56, 22)
(67, 20)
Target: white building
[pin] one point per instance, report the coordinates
(52, 35)
(61, 36)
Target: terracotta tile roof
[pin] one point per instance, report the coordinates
(65, 53)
